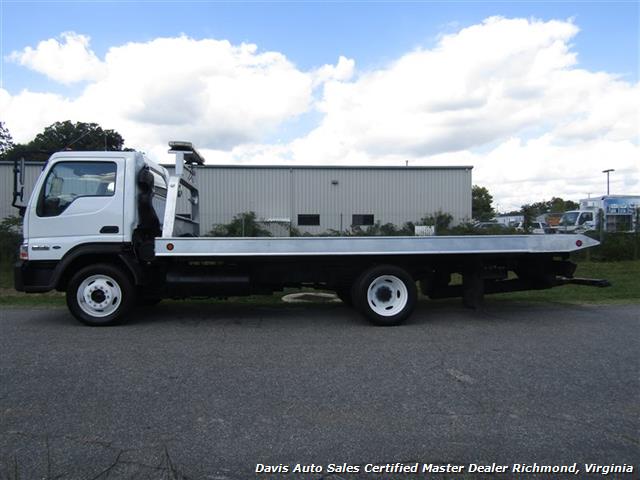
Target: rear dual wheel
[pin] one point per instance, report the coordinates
(385, 294)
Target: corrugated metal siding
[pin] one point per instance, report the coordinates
(227, 192)
(31, 174)
(393, 195)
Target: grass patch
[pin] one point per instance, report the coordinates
(6, 276)
(622, 275)
(8, 296)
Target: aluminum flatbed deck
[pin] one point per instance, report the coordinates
(328, 246)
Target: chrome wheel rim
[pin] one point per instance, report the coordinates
(387, 295)
(99, 295)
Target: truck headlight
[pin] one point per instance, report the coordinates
(24, 251)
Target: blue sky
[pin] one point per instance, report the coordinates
(312, 34)
(539, 97)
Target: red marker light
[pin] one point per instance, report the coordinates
(578, 243)
(170, 245)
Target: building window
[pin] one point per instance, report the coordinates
(361, 219)
(308, 220)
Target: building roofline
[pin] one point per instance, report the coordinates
(602, 197)
(334, 167)
(264, 167)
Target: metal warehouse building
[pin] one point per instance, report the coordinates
(313, 199)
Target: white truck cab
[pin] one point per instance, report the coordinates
(577, 221)
(103, 227)
(82, 197)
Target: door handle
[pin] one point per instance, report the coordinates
(110, 229)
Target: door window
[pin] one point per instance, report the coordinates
(585, 217)
(68, 181)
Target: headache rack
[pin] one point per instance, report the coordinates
(184, 175)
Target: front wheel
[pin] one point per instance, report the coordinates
(100, 295)
(385, 294)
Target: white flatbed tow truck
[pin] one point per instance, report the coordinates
(103, 227)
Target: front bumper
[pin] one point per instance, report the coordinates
(34, 276)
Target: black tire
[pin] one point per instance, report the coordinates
(109, 281)
(393, 296)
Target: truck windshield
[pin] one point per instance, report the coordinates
(70, 180)
(569, 218)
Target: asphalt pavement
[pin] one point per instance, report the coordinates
(209, 391)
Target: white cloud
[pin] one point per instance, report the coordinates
(208, 91)
(481, 84)
(523, 171)
(343, 70)
(507, 96)
(67, 62)
(27, 113)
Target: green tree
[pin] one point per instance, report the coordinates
(555, 205)
(66, 135)
(529, 213)
(6, 141)
(481, 204)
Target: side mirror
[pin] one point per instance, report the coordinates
(18, 186)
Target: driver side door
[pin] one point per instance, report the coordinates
(80, 201)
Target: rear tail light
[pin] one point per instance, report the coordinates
(24, 251)
(578, 243)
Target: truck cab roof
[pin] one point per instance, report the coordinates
(98, 155)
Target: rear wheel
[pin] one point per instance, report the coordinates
(385, 294)
(100, 295)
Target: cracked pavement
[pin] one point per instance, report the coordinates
(208, 391)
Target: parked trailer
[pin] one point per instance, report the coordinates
(103, 227)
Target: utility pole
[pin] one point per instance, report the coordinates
(608, 172)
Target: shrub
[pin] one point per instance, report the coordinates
(242, 225)
(438, 219)
(465, 229)
(613, 247)
(10, 238)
